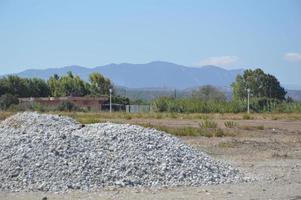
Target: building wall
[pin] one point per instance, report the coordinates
(89, 103)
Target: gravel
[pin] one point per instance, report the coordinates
(43, 152)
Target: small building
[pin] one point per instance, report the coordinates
(87, 103)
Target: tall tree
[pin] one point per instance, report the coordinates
(261, 85)
(37, 88)
(100, 85)
(23, 87)
(54, 86)
(68, 85)
(15, 85)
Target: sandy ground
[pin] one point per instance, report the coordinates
(272, 156)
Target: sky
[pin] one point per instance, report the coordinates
(38, 34)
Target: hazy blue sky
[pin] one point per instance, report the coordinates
(227, 33)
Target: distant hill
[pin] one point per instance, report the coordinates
(150, 75)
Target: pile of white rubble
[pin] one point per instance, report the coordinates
(55, 153)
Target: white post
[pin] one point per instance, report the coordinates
(248, 100)
(110, 90)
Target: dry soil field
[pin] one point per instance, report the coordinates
(267, 148)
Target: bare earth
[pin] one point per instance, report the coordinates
(272, 156)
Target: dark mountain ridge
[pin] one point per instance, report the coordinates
(150, 75)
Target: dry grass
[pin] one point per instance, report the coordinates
(227, 144)
(179, 116)
(208, 126)
(4, 115)
(191, 131)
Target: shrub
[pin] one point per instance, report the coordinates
(128, 117)
(230, 124)
(205, 124)
(6, 100)
(190, 105)
(247, 117)
(218, 132)
(38, 107)
(158, 116)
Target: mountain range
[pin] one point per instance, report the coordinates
(156, 74)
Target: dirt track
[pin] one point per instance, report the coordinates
(272, 156)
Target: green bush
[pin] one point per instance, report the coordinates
(218, 132)
(205, 124)
(230, 124)
(191, 105)
(39, 107)
(247, 117)
(169, 104)
(6, 100)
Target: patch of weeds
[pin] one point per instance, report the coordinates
(128, 117)
(205, 124)
(230, 124)
(91, 120)
(190, 131)
(206, 132)
(203, 117)
(158, 116)
(279, 155)
(187, 116)
(139, 115)
(229, 144)
(218, 132)
(275, 117)
(214, 132)
(260, 127)
(173, 115)
(4, 115)
(247, 117)
(294, 117)
(186, 131)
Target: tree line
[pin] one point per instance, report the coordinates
(265, 91)
(13, 87)
(56, 86)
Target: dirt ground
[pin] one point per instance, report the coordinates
(271, 154)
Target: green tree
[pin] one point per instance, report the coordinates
(15, 85)
(68, 85)
(3, 86)
(208, 93)
(54, 86)
(23, 87)
(261, 85)
(99, 85)
(37, 88)
(121, 100)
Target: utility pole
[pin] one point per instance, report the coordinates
(248, 90)
(110, 90)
